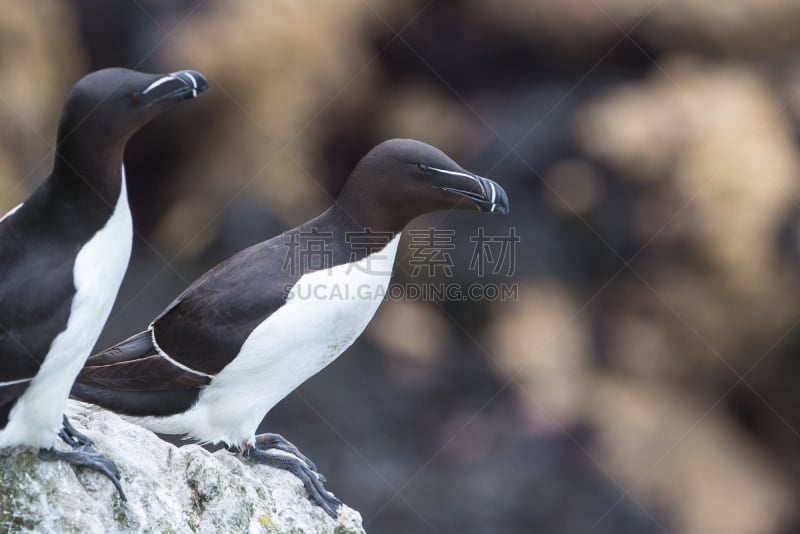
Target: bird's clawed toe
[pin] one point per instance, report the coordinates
(300, 468)
(71, 436)
(87, 457)
(265, 442)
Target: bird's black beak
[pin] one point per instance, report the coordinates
(180, 85)
(485, 194)
(495, 198)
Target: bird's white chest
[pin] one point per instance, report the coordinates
(329, 309)
(97, 274)
(325, 312)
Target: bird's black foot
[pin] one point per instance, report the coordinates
(87, 457)
(310, 479)
(71, 436)
(276, 441)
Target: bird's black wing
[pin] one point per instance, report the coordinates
(36, 290)
(206, 326)
(196, 336)
(8, 396)
(133, 378)
(162, 371)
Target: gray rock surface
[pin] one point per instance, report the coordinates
(170, 489)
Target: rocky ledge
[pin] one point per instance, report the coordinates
(169, 489)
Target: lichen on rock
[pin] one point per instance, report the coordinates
(169, 489)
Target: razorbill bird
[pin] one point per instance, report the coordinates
(247, 333)
(63, 253)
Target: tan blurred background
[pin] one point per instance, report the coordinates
(644, 380)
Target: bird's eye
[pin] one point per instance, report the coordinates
(424, 168)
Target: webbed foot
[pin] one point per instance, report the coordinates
(299, 468)
(276, 441)
(71, 436)
(87, 457)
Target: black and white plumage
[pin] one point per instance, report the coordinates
(63, 254)
(246, 334)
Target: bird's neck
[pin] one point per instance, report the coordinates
(88, 170)
(354, 207)
(341, 236)
(352, 218)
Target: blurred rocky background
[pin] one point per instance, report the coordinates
(643, 380)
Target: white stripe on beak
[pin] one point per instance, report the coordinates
(194, 84)
(456, 173)
(494, 194)
(10, 213)
(156, 83)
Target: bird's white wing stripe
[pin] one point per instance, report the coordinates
(166, 356)
(15, 382)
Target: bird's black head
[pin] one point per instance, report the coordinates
(401, 179)
(110, 105)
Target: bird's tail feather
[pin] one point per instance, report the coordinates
(133, 348)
